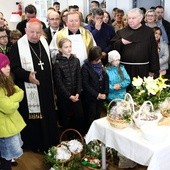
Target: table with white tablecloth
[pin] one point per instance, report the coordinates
(131, 143)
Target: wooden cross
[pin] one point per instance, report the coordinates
(41, 64)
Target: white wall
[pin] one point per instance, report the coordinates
(147, 4)
(167, 10)
(82, 5)
(27, 2)
(110, 5)
(7, 7)
(118, 3)
(125, 6)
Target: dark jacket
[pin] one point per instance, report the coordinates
(67, 76)
(102, 36)
(22, 25)
(166, 25)
(48, 35)
(92, 85)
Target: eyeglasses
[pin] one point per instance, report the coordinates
(54, 19)
(3, 37)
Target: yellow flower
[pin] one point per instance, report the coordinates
(161, 83)
(161, 79)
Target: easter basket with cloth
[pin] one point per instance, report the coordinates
(58, 157)
(74, 141)
(146, 115)
(120, 111)
(67, 154)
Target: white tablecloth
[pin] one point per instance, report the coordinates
(131, 143)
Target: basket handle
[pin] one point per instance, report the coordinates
(147, 102)
(70, 129)
(143, 105)
(113, 101)
(129, 98)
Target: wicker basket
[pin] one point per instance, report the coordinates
(64, 162)
(118, 108)
(165, 112)
(146, 116)
(67, 160)
(74, 134)
(165, 108)
(117, 123)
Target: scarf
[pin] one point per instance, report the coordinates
(98, 69)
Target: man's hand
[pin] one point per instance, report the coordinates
(98, 24)
(74, 98)
(151, 74)
(104, 55)
(101, 96)
(32, 78)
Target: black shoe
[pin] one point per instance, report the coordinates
(14, 163)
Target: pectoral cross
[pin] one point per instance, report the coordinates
(41, 64)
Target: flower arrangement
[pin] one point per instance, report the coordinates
(154, 90)
(93, 149)
(93, 155)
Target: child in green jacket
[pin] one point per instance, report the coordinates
(11, 122)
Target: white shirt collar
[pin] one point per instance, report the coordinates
(52, 31)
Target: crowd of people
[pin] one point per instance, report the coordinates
(57, 76)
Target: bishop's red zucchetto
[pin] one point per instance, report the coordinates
(34, 20)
